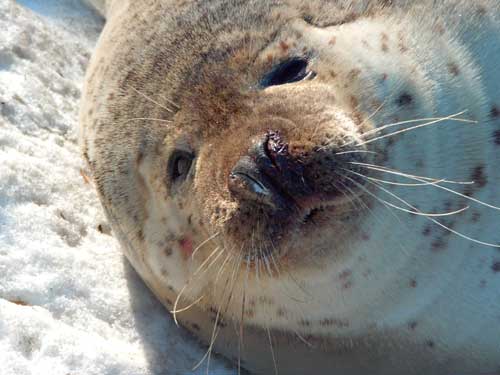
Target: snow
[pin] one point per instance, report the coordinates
(69, 301)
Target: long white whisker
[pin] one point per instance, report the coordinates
(152, 100)
(421, 179)
(451, 117)
(203, 243)
(408, 175)
(414, 211)
(437, 222)
(380, 128)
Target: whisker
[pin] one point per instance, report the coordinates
(216, 330)
(187, 307)
(406, 184)
(415, 212)
(421, 179)
(203, 243)
(152, 100)
(217, 250)
(437, 222)
(146, 119)
(356, 152)
(408, 175)
(242, 320)
(451, 117)
(171, 102)
(380, 128)
(214, 335)
(373, 114)
(272, 350)
(188, 283)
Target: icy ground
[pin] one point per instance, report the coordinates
(69, 302)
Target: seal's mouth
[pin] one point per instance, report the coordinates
(312, 214)
(326, 211)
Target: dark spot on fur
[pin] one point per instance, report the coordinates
(475, 217)
(140, 235)
(404, 99)
(308, 19)
(354, 73)
(482, 284)
(494, 112)
(332, 41)
(413, 283)
(220, 322)
(140, 157)
(412, 325)
(430, 343)
(479, 177)
(453, 69)
(496, 266)
(438, 244)
(195, 326)
(168, 251)
(345, 274)
(347, 285)
(281, 312)
(496, 137)
(354, 101)
(284, 46)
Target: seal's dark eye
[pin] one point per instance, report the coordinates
(179, 165)
(289, 71)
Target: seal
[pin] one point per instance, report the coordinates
(308, 186)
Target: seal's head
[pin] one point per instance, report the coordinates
(244, 157)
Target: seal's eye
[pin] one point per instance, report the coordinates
(179, 165)
(292, 70)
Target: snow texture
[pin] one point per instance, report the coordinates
(69, 301)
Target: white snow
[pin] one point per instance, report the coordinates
(69, 301)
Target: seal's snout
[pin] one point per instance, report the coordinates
(268, 174)
(283, 175)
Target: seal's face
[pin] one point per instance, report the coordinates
(273, 172)
(271, 153)
(258, 169)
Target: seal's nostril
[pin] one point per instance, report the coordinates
(275, 147)
(248, 183)
(256, 186)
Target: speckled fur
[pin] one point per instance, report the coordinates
(366, 289)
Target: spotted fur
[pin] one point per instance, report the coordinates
(397, 270)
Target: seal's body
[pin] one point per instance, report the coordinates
(309, 186)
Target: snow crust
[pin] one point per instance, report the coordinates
(69, 301)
